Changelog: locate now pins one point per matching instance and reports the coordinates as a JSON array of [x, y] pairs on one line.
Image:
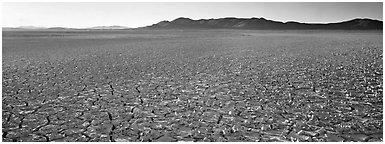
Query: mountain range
[[235, 23], [115, 27], [264, 24]]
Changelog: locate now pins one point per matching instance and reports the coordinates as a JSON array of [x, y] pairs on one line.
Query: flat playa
[[192, 85]]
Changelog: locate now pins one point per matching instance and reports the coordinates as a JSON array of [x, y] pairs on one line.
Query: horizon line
[[127, 27]]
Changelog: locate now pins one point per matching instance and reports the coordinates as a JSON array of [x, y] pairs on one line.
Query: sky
[[135, 14]]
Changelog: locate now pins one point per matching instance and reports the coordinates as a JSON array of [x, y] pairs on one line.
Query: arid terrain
[[192, 85]]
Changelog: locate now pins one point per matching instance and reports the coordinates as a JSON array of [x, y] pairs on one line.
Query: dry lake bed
[[192, 85]]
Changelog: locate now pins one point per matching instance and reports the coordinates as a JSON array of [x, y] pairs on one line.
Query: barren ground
[[193, 85]]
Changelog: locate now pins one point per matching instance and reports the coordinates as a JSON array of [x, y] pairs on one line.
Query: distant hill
[[108, 27], [58, 28], [264, 24], [64, 28], [22, 28], [30, 27]]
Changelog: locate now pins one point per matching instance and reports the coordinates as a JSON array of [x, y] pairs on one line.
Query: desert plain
[[192, 85]]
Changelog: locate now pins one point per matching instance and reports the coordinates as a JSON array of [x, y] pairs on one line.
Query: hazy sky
[[86, 14]]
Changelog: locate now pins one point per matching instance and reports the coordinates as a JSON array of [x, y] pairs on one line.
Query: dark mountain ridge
[[264, 24]]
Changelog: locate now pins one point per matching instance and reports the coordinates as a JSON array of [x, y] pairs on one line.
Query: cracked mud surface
[[118, 86]]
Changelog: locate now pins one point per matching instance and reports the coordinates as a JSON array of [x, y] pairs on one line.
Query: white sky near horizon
[[136, 14]]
